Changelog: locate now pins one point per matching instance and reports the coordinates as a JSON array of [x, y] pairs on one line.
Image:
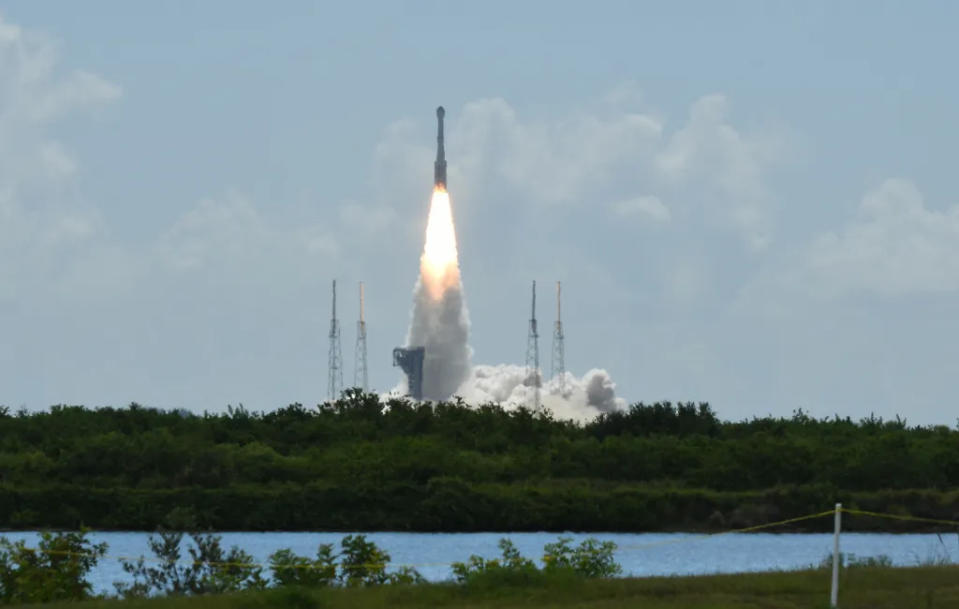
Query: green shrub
[[591, 558], [361, 563], [208, 570], [292, 570], [55, 570], [511, 570]]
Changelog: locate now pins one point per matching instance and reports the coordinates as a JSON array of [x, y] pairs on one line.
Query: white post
[[834, 593]]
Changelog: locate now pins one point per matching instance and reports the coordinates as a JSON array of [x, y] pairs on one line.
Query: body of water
[[640, 554]]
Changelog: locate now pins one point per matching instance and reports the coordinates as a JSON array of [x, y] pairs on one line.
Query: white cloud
[[216, 229], [626, 93], [56, 250], [76, 90], [42, 222], [549, 161], [647, 206], [729, 164], [34, 94], [896, 245], [230, 234]]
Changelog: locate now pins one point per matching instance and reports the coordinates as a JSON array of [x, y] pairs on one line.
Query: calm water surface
[[639, 554]]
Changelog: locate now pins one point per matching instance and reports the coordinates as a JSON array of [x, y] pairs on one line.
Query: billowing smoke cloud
[[578, 398], [442, 326]]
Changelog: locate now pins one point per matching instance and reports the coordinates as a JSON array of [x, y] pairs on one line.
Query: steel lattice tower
[[335, 384], [558, 363], [359, 364], [533, 377]]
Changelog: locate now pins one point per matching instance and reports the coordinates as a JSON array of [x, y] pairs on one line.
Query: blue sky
[[749, 203]]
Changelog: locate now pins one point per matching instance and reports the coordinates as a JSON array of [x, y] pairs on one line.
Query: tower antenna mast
[[558, 363], [532, 354], [335, 383], [359, 365]]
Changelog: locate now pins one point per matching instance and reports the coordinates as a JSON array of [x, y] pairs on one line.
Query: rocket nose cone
[[440, 112]]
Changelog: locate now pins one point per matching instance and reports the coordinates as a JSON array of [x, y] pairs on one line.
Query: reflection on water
[[639, 554]]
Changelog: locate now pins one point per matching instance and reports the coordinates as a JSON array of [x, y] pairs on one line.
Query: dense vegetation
[[363, 464]]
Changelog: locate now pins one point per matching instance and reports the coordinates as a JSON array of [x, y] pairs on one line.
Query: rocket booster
[[439, 167]]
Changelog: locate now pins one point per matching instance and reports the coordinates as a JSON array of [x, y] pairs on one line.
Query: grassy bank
[[872, 588]]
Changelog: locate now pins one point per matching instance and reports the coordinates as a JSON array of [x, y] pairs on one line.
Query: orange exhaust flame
[[439, 264]]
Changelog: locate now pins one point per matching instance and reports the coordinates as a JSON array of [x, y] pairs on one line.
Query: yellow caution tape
[[900, 517], [751, 529]]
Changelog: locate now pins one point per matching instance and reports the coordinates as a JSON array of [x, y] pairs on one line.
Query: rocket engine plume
[[439, 264], [440, 321]]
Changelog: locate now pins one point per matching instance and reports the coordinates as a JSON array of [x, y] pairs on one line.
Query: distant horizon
[[799, 412]]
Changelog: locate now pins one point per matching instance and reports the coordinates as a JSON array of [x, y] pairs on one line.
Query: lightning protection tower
[[335, 384], [532, 354], [359, 364], [558, 363]]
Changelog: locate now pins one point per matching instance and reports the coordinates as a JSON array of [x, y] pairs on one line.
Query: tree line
[[367, 463]]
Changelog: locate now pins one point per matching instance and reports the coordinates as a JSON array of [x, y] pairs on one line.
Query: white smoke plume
[[440, 322], [580, 399], [442, 326]]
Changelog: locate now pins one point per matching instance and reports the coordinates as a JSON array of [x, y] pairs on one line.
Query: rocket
[[439, 167]]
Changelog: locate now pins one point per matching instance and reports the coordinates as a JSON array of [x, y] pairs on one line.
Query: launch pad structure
[[410, 359]]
